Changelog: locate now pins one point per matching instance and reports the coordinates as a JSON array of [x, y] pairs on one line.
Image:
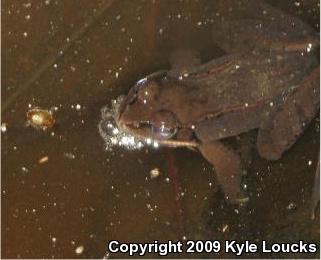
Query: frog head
[[146, 111]]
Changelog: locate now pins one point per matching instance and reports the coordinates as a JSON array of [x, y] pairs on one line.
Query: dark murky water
[[64, 196]]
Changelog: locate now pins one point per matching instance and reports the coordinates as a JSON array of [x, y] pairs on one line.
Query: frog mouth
[[146, 130]]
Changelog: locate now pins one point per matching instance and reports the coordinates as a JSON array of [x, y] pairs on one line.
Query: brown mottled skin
[[268, 80]]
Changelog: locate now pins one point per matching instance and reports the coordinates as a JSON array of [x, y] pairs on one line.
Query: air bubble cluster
[[113, 135]]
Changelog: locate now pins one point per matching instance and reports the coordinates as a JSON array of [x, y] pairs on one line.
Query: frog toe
[[268, 147]]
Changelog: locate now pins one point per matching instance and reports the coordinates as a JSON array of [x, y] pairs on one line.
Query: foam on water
[[111, 133]]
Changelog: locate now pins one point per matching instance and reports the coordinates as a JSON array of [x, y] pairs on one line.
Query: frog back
[[234, 87]]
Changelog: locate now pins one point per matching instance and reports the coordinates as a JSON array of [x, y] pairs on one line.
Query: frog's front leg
[[279, 131], [226, 163]]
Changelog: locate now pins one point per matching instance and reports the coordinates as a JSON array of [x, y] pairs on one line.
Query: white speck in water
[[78, 107], [161, 31], [246, 104], [3, 127], [28, 17], [309, 162], [70, 156], [79, 250], [118, 17], [154, 173], [309, 47], [155, 144], [167, 180], [225, 227], [116, 75], [291, 206], [54, 240], [199, 23], [55, 66], [24, 169], [25, 34], [271, 104], [27, 5], [237, 66], [43, 160]]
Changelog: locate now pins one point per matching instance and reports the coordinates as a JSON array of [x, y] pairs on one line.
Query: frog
[[267, 80]]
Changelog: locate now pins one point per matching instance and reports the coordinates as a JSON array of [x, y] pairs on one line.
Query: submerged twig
[[61, 51]]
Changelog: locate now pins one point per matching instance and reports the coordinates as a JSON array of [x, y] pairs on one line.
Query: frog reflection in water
[[268, 80]]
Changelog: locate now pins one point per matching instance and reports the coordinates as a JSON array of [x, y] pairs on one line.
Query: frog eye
[[164, 132], [164, 125]]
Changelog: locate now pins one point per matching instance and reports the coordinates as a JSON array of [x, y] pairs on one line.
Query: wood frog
[[267, 80]]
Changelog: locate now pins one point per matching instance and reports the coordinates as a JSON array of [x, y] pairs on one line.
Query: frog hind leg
[[226, 164], [279, 130]]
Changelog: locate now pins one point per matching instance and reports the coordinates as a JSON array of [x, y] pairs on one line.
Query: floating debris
[[79, 250], [43, 160], [4, 127], [40, 118], [24, 169], [309, 162], [154, 173], [291, 206], [225, 227], [70, 156]]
